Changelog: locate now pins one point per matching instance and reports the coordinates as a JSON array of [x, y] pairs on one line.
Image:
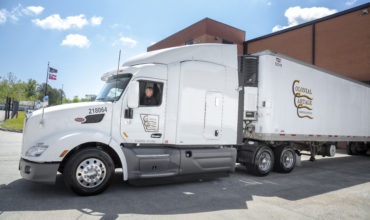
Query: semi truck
[[208, 110]]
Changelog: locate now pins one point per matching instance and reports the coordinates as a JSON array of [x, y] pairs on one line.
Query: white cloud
[[269, 3], [125, 41], [152, 43], [17, 12], [3, 15], [34, 10], [95, 21], [76, 40], [56, 22], [297, 15], [350, 2]]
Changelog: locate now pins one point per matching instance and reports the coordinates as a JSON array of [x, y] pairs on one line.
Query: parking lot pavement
[[329, 188]]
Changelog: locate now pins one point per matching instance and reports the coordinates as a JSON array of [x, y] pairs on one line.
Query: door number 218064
[[97, 110]]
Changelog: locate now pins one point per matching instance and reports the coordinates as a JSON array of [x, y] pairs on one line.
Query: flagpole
[[47, 77], [61, 94]]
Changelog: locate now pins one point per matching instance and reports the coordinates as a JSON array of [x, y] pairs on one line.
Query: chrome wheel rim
[[90, 173], [264, 161], [288, 159], [332, 150]]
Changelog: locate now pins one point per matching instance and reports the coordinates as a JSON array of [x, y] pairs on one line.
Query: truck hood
[[66, 118]]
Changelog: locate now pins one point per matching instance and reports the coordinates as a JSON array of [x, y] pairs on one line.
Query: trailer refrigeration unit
[[196, 109]]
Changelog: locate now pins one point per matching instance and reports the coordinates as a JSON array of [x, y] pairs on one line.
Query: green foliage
[[31, 89], [10, 86], [15, 123], [75, 99], [55, 95]]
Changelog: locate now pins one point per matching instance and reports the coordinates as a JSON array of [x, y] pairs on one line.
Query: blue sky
[[82, 38]]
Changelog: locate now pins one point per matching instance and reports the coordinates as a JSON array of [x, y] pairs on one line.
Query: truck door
[[146, 124], [213, 115]]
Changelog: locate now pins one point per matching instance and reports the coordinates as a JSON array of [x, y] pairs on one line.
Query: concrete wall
[[2, 115]]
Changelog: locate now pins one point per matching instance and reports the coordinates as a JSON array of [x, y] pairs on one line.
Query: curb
[[10, 130]]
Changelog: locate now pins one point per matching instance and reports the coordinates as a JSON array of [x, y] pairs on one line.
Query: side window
[[150, 93]]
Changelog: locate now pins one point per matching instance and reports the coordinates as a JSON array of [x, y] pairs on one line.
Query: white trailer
[[196, 110]]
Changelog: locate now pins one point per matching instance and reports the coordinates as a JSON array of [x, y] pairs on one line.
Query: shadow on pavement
[[196, 196]]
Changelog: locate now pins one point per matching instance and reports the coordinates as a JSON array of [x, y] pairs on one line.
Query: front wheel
[[89, 171], [285, 159]]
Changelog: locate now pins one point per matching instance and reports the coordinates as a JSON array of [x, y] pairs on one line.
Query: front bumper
[[38, 172]]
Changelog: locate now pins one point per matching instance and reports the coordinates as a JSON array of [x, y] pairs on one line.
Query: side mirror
[[133, 95]]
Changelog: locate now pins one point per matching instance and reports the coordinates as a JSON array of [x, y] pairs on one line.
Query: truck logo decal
[[150, 122], [90, 119], [80, 119], [302, 100]]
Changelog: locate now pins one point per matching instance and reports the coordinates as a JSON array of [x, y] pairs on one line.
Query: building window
[[226, 41], [190, 42]]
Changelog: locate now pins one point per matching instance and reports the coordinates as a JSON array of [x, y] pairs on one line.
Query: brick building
[[339, 42], [204, 31]]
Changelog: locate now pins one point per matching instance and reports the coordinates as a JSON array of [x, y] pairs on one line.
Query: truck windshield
[[113, 88]]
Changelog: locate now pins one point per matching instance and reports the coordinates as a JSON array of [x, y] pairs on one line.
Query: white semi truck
[[196, 109]]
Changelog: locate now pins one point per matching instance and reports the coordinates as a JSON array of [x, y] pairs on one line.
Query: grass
[[15, 123]]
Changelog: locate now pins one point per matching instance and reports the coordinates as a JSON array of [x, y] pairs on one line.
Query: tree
[[75, 99], [10, 86], [31, 89], [53, 94]]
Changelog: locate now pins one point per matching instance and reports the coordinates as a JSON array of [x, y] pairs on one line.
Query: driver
[[149, 99]]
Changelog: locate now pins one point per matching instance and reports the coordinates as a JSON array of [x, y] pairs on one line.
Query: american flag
[[52, 70], [52, 76]]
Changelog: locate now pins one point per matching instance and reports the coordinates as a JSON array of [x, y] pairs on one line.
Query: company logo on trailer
[[302, 100]]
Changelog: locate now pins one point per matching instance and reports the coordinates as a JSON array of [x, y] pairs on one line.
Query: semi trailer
[[197, 109]]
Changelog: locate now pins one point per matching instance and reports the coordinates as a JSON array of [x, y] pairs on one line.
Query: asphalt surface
[[329, 188]]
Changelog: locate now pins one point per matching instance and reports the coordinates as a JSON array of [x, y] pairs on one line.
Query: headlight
[[36, 151]]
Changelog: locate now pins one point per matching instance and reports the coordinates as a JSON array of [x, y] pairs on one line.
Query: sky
[[82, 38]]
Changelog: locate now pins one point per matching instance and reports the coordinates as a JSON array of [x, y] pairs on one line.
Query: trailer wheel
[[89, 171], [349, 148], [263, 161], [285, 159]]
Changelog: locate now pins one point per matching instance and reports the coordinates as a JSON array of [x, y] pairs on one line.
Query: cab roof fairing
[[122, 70], [133, 70], [223, 54]]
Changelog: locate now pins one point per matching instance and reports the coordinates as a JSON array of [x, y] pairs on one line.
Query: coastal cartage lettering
[[302, 100]]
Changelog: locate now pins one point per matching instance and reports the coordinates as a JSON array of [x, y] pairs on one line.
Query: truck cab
[[163, 113]]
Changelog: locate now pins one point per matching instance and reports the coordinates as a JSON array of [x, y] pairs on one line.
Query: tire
[[98, 167], [285, 159], [263, 161], [349, 148], [358, 148]]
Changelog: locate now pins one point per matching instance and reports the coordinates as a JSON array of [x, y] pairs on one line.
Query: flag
[[52, 70], [52, 76]]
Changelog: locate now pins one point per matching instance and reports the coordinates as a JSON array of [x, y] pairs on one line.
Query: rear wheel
[[89, 171], [263, 161], [285, 159], [358, 148], [348, 148]]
